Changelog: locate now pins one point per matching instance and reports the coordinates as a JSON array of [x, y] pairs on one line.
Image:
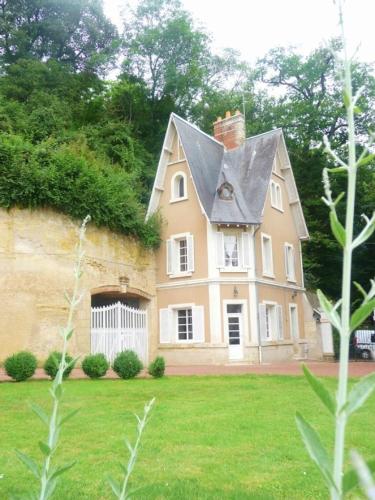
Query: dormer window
[[225, 191], [178, 187]]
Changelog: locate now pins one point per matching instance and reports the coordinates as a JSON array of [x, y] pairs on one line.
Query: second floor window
[[180, 254], [267, 259], [289, 262], [231, 250]]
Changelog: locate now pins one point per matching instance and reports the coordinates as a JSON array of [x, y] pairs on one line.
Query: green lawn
[[209, 437]]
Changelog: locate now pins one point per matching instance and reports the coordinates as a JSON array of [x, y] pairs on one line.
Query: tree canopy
[[75, 140]]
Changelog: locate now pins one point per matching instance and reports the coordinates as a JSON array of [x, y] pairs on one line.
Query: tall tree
[[74, 32], [307, 103]]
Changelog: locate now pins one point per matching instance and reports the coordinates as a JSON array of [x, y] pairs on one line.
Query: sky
[[253, 27]]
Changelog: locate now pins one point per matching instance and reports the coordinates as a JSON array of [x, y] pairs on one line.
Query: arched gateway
[[119, 321]]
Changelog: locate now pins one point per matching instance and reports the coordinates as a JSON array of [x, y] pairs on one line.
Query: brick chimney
[[230, 130]]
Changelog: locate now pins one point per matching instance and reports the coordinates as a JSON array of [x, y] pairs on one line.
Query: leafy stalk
[[48, 474], [121, 491], [340, 313]]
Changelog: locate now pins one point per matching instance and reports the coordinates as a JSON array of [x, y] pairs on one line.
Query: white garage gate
[[118, 327]]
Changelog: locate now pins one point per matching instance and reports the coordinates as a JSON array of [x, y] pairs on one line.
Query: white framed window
[[293, 321], [267, 257], [182, 323], [180, 255], [276, 198], [178, 187], [233, 250], [290, 269], [271, 321]]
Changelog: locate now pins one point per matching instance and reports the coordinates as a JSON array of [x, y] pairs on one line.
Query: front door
[[235, 327]]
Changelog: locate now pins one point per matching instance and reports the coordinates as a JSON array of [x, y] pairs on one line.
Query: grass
[[209, 437]]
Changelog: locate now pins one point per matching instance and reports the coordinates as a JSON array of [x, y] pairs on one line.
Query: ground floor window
[[179, 323], [184, 324], [293, 319], [271, 321]]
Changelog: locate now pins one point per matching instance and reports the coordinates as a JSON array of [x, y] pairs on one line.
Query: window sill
[[233, 270], [176, 200], [181, 275], [268, 275], [290, 280]]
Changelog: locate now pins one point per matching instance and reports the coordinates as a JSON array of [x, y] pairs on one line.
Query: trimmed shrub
[[157, 367], [127, 364], [20, 366], [95, 365], [52, 364]]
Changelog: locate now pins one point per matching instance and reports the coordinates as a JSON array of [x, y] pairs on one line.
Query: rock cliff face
[[37, 254]]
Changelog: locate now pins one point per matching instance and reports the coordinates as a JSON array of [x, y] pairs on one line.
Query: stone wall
[[36, 267]]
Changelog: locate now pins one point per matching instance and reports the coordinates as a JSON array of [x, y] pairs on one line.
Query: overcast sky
[[255, 26]]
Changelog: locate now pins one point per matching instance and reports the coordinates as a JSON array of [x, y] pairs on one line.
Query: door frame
[[244, 328]]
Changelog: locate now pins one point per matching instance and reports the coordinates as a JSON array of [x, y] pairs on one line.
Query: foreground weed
[[121, 490], [47, 474], [339, 314]]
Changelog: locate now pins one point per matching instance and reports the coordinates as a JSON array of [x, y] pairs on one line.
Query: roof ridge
[[278, 129], [174, 115]]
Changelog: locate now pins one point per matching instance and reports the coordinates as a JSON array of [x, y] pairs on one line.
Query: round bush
[[95, 365], [52, 364], [127, 364], [20, 366], [157, 367]]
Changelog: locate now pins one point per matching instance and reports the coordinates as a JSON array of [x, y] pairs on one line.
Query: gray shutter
[[198, 323], [190, 253], [166, 325], [262, 322], [280, 325], [246, 250], [220, 249], [170, 256]]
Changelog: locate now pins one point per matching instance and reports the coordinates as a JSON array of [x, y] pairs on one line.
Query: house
[[229, 279], [225, 286]]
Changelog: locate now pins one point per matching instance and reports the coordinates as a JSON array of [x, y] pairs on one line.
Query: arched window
[[178, 187]]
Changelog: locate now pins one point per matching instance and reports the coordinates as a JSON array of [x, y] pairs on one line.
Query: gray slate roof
[[248, 168]]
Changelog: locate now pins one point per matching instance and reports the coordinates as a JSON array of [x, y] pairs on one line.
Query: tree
[[308, 105], [73, 32]]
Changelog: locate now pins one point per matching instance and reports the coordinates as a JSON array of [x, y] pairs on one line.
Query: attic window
[[225, 191]]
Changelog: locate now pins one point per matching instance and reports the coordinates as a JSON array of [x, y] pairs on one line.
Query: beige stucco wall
[[282, 229], [36, 267], [184, 216]]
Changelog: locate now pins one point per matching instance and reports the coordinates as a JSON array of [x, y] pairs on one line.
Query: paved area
[[320, 368]]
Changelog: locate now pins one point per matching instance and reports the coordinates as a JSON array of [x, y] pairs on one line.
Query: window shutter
[[170, 256], [246, 250], [262, 322], [280, 332], [166, 326], [190, 253], [198, 323], [220, 249]]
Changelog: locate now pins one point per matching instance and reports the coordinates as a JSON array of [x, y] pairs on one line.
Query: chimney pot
[[227, 114]]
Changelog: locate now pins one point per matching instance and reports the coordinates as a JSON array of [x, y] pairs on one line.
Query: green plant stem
[[57, 383], [341, 418]]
